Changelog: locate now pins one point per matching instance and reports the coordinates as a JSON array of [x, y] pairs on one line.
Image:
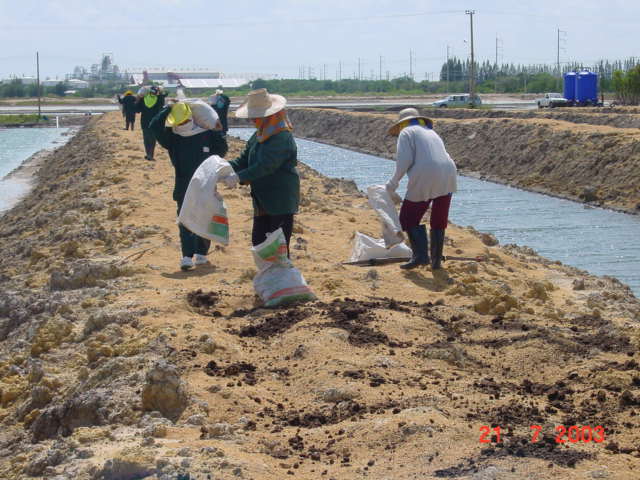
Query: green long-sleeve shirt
[[186, 153], [146, 113], [270, 168]]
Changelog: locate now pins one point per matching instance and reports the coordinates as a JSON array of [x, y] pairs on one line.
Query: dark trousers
[[129, 120], [265, 224], [149, 142], [190, 243], [412, 212]]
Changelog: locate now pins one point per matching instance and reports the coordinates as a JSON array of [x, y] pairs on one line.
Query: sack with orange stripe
[[203, 209], [278, 282]]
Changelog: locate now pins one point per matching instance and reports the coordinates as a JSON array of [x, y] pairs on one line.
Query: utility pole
[[339, 70], [499, 45], [411, 64], [38, 81], [359, 77], [472, 74], [558, 55], [324, 71], [380, 69], [448, 70]]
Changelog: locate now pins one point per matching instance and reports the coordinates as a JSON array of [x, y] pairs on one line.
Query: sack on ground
[[380, 200], [278, 282], [366, 248], [203, 209], [203, 114]]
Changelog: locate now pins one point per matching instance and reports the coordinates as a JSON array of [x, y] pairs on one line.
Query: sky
[[321, 38]]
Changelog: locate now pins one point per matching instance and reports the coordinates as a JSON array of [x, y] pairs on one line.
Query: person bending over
[[431, 172]]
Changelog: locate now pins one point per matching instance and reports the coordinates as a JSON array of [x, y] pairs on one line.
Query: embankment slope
[[113, 365], [579, 161]]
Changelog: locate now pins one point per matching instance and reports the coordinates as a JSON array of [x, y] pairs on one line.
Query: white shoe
[[186, 263], [200, 259]]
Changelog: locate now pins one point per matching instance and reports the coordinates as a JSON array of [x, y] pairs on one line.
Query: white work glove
[[231, 181]]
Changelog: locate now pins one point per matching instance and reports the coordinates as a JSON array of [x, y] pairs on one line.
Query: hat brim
[[395, 128], [278, 102]]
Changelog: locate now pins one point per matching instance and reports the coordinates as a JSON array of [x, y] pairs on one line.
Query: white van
[[462, 100]]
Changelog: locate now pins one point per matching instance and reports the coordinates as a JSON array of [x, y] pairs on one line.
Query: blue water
[[597, 240], [16, 145]]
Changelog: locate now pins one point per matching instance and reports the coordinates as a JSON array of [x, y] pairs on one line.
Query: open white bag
[[366, 248], [203, 210], [381, 201]]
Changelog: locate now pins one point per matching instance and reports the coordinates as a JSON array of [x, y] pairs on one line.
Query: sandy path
[[390, 374]]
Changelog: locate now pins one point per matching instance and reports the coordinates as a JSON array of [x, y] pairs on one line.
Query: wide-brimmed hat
[[180, 113], [219, 91], [407, 114], [260, 104]]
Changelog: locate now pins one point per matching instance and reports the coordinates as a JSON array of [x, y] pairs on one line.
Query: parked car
[[552, 100], [463, 100]]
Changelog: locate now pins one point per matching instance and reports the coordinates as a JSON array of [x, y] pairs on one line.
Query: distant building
[[77, 84], [24, 80], [192, 78]]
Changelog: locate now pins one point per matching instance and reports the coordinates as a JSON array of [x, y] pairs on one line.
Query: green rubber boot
[[419, 246]]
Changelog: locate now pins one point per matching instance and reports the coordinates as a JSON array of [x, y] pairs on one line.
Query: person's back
[[129, 104], [432, 172]]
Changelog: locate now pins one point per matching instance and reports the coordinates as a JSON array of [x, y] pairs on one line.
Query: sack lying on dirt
[[278, 282], [203, 210], [381, 201], [366, 248], [203, 115]]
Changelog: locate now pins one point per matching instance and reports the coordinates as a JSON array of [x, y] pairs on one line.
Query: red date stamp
[[572, 434]]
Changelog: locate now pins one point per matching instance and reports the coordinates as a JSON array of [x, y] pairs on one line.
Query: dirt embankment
[[620, 117], [115, 364], [596, 164]]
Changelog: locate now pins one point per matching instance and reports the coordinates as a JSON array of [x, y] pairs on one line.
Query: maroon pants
[[412, 212]]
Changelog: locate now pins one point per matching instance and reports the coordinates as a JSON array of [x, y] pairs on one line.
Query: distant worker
[[129, 109], [422, 156], [220, 103], [268, 164], [150, 102], [188, 145]]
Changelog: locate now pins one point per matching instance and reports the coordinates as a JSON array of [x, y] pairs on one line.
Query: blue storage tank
[[587, 88], [570, 86]]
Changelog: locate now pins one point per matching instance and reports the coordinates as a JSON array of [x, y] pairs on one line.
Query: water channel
[[16, 145], [600, 241]]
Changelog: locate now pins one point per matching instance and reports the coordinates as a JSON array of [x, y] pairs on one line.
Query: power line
[[224, 24]]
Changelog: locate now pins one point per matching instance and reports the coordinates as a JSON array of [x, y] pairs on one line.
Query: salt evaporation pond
[[16, 145], [600, 241]]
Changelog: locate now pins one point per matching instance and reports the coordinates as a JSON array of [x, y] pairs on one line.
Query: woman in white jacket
[[421, 155]]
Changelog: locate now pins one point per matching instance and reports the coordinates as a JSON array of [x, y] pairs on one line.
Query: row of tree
[[627, 86], [17, 89]]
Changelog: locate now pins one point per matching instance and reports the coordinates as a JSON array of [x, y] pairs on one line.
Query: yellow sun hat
[[128, 92], [180, 113]]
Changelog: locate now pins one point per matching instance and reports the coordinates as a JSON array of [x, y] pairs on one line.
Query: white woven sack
[[203, 209]]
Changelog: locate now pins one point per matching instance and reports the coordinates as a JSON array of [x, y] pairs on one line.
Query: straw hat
[[407, 114], [180, 113], [260, 104]]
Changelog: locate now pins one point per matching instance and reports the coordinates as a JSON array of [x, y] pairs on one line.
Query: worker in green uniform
[[149, 104], [129, 110], [268, 164], [188, 146]]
